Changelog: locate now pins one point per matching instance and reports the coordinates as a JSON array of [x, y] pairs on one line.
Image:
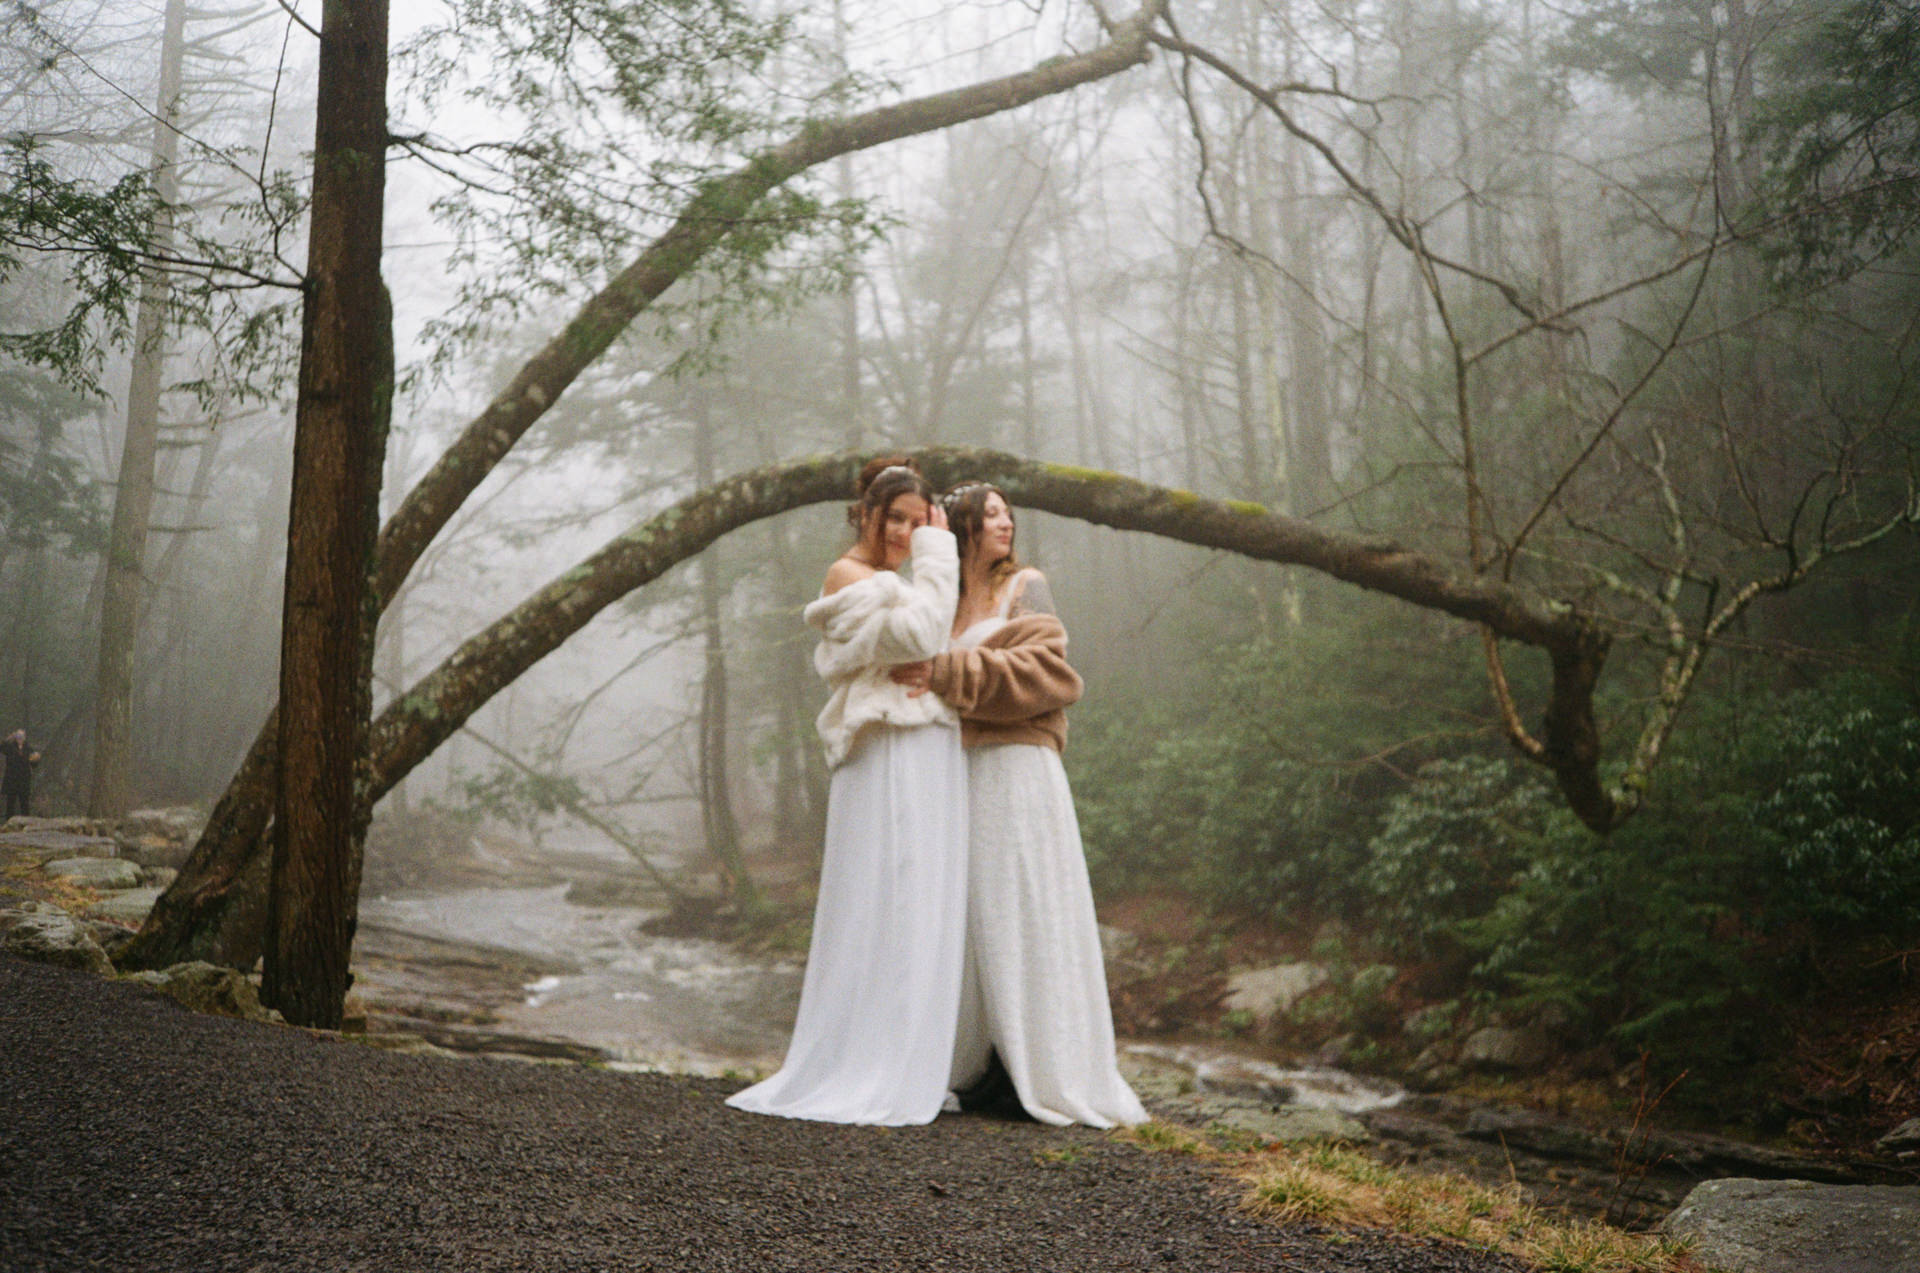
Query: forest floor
[[135, 1134]]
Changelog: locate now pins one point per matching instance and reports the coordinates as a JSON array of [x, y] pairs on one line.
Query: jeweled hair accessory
[[961, 491], [895, 468]]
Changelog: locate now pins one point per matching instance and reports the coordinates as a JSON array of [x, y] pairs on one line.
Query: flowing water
[[702, 1007], [654, 1002]]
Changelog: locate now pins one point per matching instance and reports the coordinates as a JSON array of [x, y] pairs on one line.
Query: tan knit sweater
[[1014, 687]]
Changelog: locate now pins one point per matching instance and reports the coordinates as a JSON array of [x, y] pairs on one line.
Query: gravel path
[[135, 1135]]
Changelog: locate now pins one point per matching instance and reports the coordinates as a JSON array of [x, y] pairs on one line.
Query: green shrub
[[1455, 842], [1841, 833]]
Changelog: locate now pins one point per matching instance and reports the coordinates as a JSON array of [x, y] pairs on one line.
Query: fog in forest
[[1611, 305]]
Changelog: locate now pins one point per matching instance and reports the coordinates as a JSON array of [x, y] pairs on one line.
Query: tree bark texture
[[346, 369], [434, 708], [111, 793], [190, 921]]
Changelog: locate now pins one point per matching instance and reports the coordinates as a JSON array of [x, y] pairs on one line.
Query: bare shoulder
[[1031, 595], [845, 571]]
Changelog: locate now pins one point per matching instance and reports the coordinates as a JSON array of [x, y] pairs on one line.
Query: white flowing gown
[[1036, 984], [873, 1038]]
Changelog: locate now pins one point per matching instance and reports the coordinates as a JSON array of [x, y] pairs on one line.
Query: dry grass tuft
[[1337, 1184]]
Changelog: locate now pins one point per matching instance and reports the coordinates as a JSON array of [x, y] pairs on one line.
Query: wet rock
[[1290, 1124], [1266, 993], [34, 846], [129, 906], [154, 851], [1798, 1226], [1154, 1075], [205, 987], [175, 822], [1902, 1142], [46, 934], [57, 826], [107, 933], [1202, 1082], [90, 872], [1234, 1076], [1338, 1050], [1505, 1048], [1433, 1070], [1538, 1134]]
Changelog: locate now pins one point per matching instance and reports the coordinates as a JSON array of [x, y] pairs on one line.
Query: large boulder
[[129, 906], [1797, 1226], [67, 826], [1497, 1047], [48, 935], [1903, 1141], [177, 822], [153, 850], [106, 873], [1266, 993], [205, 987]]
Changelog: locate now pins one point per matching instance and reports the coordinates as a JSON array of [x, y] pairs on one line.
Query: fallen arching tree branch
[[417, 722], [1575, 643]]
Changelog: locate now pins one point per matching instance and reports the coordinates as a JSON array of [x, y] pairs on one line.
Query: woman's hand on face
[[914, 676], [936, 516]]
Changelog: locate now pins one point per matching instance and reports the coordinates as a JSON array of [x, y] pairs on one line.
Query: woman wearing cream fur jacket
[[873, 1039]]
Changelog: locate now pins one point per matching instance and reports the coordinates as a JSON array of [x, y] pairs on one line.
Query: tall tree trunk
[[716, 798], [326, 645], [205, 913], [799, 776], [1310, 462], [849, 299], [112, 788]]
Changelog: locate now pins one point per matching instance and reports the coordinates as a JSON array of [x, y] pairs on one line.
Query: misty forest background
[[1613, 302]]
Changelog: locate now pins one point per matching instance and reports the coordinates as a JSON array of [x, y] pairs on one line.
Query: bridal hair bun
[[884, 479], [892, 467]]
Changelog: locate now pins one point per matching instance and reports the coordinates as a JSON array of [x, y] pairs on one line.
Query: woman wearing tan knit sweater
[[1035, 994]]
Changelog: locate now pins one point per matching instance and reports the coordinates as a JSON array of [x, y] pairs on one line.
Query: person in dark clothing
[[18, 782]]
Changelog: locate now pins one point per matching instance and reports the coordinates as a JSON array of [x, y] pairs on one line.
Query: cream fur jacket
[[868, 627]]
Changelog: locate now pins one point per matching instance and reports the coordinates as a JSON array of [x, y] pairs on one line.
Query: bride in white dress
[[1036, 989], [873, 1040]]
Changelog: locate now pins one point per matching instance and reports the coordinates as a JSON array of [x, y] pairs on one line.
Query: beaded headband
[[963, 490]]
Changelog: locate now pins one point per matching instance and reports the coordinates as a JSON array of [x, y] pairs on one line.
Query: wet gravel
[[135, 1135]]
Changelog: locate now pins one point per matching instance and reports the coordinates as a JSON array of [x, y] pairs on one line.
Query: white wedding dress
[[1036, 985], [873, 1038]]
